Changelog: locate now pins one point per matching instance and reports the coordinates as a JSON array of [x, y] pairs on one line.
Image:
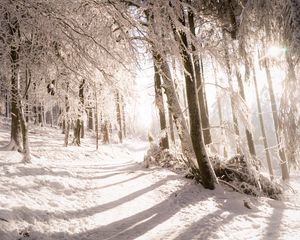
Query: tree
[[199, 83], [164, 142]]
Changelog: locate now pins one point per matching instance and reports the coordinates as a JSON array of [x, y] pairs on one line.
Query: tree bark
[[249, 135], [66, 122], [105, 132], [15, 116], [171, 126], [200, 86], [91, 119], [23, 124], [206, 171], [164, 142], [15, 143], [77, 131]]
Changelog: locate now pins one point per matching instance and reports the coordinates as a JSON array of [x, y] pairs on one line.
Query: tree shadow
[[275, 220], [138, 224], [110, 185], [206, 226], [46, 215], [3, 143]]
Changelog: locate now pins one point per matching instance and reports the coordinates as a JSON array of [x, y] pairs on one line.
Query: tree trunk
[[229, 76], [171, 126], [26, 149], [288, 114], [283, 161], [96, 119], [203, 113], [203, 104], [123, 116], [164, 142], [40, 115], [206, 171], [119, 116], [249, 135], [67, 131], [105, 132], [174, 108], [186, 143], [28, 80], [81, 129], [77, 131], [7, 110], [66, 122], [91, 119], [81, 97], [262, 126], [15, 143]]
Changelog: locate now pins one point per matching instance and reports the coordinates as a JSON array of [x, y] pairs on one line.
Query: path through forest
[[78, 193]]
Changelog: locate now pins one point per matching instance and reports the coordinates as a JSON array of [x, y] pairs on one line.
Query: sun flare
[[276, 51]]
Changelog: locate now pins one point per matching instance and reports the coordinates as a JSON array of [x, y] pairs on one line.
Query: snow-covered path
[[78, 193]]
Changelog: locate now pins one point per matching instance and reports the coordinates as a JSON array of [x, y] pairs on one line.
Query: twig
[[230, 185], [2, 219]]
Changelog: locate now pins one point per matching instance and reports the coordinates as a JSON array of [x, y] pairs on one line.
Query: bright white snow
[[79, 193]]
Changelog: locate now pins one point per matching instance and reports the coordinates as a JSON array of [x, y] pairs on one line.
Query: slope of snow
[[79, 193]]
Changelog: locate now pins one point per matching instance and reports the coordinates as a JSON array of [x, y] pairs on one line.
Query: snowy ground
[[78, 193]]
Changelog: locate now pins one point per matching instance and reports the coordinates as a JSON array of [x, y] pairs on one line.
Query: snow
[[84, 194]]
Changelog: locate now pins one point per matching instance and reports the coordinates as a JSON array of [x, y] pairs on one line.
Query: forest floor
[[83, 194]]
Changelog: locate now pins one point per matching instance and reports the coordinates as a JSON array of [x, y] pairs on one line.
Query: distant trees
[[56, 42]]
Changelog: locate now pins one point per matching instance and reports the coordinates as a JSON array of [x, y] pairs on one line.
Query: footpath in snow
[[77, 193]]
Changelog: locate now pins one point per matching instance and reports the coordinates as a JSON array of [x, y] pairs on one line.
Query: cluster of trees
[[73, 43], [57, 60]]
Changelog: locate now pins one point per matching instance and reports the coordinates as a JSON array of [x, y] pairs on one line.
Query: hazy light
[[276, 51]]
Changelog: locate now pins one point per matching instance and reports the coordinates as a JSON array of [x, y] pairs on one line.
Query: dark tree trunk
[[15, 110], [91, 119], [7, 108], [81, 97], [171, 126], [15, 120], [82, 129], [164, 142], [66, 122], [18, 123], [206, 171], [28, 80], [200, 86], [179, 120], [249, 135], [77, 131], [105, 132]]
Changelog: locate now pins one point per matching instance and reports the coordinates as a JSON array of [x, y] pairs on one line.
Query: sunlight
[[276, 51]]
